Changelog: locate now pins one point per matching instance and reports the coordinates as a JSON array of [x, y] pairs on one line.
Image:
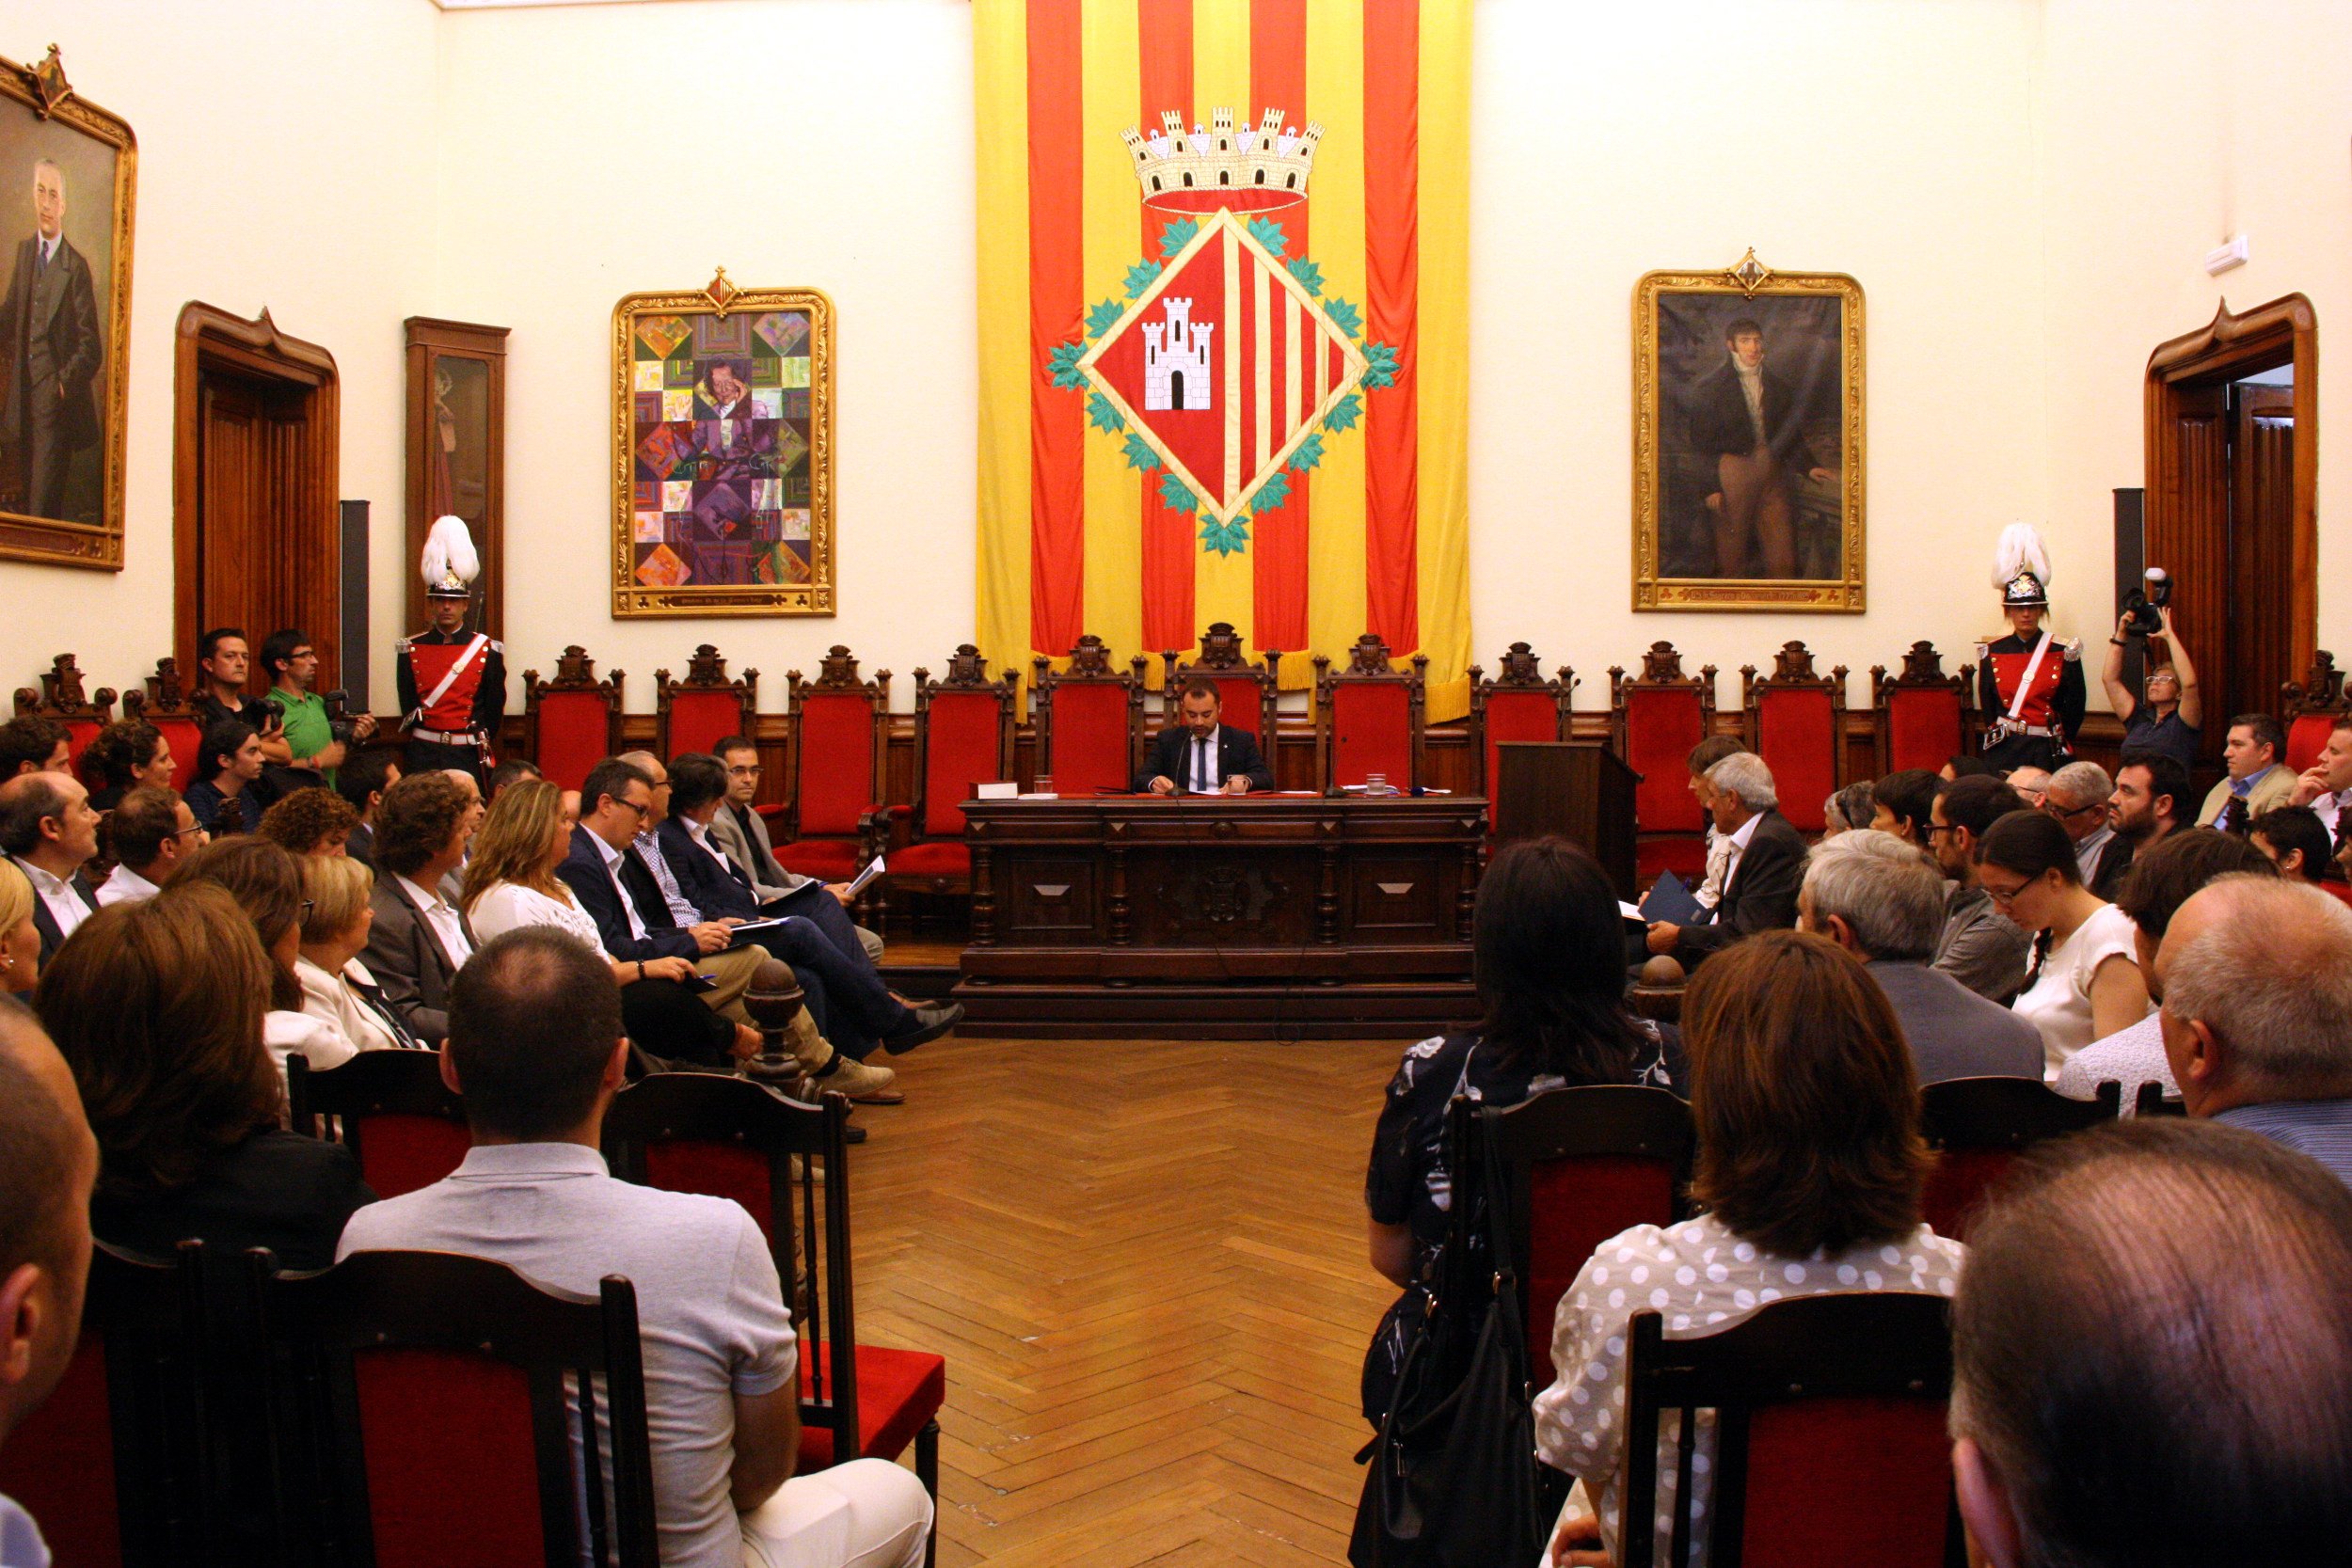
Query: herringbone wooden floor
[[1145, 1264]]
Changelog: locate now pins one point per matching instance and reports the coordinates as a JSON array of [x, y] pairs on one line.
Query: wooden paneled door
[[256, 538]]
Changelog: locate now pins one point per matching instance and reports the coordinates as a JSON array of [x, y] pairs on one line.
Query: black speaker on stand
[[353, 674], [2131, 560]]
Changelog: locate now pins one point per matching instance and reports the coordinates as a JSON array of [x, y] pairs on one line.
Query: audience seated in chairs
[[1706, 755], [2295, 840], [511, 883], [2164, 879], [2257, 778], [1766, 864], [158, 1007], [1846, 811], [31, 744], [1880, 899], [420, 938], [310, 821], [1903, 805], [228, 770], [1980, 946], [151, 830], [362, 782], [1549, 964], [538, 1052], [2089, 984], [266, 882], [514, 770], [122, 756], [2080, 798], [337, 989], [2149, 804], [47, 828], [2151, 1361], [741, 834], [2032, 784], [2326, 787], [1797, 1064], [20, 938], [2257, 980], [45, 1185]]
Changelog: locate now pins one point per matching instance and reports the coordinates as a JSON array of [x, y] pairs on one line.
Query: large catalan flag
[[1224, 324]]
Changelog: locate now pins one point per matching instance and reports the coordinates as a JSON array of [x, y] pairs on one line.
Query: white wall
[[2025, 220]]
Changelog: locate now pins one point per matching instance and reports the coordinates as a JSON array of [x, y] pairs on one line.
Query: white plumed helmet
[[449, 563], [2021, 566]]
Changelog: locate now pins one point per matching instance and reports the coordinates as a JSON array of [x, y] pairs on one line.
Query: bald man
[[2151, 1361]]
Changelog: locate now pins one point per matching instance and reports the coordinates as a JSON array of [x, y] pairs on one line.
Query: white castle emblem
[[1176, 359]]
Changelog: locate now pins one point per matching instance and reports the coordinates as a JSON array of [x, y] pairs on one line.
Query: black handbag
[[1454, 1480]]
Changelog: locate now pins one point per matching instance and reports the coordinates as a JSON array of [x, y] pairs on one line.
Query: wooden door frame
[[206, 337], [2228, 348]]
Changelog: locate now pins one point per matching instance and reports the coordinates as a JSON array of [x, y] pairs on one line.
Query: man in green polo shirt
[[293, 664]]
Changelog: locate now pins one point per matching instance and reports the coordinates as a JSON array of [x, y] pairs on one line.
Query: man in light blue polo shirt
[[535, 1049]]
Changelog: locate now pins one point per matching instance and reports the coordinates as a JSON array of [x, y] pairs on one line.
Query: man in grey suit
[[1880, 901], [742, 837], [419, 940], [49, 323]]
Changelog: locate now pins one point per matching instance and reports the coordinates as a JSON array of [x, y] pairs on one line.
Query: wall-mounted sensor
[[2230, 255]]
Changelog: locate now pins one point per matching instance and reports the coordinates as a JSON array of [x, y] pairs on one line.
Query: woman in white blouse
[[1809, 1166], [337, 988], [2087, 984]]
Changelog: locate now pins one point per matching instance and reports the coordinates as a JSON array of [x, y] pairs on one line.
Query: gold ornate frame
[[1750, 278], [44, 93], [720, 297]]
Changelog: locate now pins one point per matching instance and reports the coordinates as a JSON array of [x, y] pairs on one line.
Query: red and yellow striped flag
[[1224, 328]]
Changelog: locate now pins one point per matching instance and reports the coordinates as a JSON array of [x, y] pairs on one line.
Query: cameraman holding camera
[[316, 730], [2169, 718]]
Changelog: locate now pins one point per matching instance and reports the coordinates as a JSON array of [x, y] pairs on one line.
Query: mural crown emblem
[[1252, 169]]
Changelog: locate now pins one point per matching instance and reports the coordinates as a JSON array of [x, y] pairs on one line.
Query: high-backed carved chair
[[1922, 716], [1516, 705], [1090, 720], [1654, 720], [962, 737], [2309, 708], [1796, 722], [391, 1110], [60, 697], [1369, 717], [1246, 690], [165, 704], [696, 714], [834, 758], [1977, 1126], [573, 721]]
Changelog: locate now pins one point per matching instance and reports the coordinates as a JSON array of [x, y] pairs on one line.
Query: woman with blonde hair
[[511, 881], [20, 939], [337, 988]]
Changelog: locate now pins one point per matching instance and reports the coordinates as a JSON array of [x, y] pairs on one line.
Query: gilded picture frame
[[723, 494], [1748, 440], [69, 180]]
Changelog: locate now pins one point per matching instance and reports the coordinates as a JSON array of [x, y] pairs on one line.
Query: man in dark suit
[[49, 323], [1749, 421], [741, 834], [420, 938], [47, 827], [1199, 756], [1767, 866]]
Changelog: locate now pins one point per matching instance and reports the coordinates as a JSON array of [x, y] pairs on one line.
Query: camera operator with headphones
[[317, 731], [2169, 718]]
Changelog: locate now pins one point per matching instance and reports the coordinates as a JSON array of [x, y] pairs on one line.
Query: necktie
[[1200, 764]]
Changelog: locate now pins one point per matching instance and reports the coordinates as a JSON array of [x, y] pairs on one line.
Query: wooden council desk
[[1263, 916]]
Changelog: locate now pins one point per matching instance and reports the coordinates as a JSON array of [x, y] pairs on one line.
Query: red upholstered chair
[[696, 714], [165, 704], [1369, 718], [393, 1110], [1796, 722], [1248, 690], [1516, 705], [60, 697], [1831, 1448], [834, 758], [729, 1137], [1580, 1165], [962, 737], [1924, 717], [1090, 720], [1654, 721], [422, 1401], [114, 1462], [2309, 708], [1977, 1126], [573, 721]]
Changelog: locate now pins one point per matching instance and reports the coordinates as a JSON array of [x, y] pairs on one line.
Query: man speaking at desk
[[1200, 756]]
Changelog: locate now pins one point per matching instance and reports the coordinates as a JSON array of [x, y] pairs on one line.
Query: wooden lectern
[[1575, 788]]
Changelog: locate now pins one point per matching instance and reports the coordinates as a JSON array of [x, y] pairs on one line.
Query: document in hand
[[873, 869], [1670, 900]]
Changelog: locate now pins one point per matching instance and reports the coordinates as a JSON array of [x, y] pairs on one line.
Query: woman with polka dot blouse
[[1809, 1168]]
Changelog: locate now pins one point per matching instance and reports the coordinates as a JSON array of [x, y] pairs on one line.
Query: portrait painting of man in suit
[[52, 325]]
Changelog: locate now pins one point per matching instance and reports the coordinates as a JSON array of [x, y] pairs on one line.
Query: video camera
[[2140, 606], [339, 721]]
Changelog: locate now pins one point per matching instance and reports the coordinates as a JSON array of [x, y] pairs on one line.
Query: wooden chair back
[[1090, 720], [391, 1110], [1830, 1445], [1796, 722], [1654, 721], [60, 697], [2309, 708], [1516, 705], [1370, 718], [836, 753], [963, 728], [1249, 691], [1923, 717], [696, 714], [165, 704], [1977, 1126], [573, 721]]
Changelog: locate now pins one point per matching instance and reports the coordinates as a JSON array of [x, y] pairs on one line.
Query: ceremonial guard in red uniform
[[453, 682], [2030, 683]]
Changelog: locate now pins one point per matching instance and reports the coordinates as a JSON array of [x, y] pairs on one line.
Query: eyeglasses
[[183, 832], [2002, 895], [643, 811], [753, 771], [2064, 816], [307, 905], [1936, 830]]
